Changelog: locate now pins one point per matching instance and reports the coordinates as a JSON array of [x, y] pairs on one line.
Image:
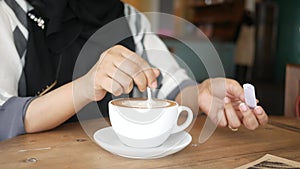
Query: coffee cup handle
[[188, 121]]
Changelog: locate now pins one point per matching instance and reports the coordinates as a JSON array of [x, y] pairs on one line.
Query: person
[[55, 32]]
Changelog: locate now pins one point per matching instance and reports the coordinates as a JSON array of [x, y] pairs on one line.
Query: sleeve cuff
[[12, 114]]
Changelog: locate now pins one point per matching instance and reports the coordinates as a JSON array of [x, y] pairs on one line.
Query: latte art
[[143, 103]]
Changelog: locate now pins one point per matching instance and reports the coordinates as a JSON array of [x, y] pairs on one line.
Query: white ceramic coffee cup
[[145, 127]]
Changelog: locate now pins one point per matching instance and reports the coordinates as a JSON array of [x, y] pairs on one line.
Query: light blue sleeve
[[12, 114]]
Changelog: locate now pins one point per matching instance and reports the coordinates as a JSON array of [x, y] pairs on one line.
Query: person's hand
[[116, 72], [224, 102]]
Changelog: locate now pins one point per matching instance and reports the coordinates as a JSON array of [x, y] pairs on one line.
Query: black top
[[52, 52]]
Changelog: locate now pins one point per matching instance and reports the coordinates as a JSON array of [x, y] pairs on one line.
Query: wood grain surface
[[68, 146]]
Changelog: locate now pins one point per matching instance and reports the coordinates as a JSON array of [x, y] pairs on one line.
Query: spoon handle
[[149, 100]]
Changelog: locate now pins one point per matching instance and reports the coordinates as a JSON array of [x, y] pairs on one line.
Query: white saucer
[[108, 140]]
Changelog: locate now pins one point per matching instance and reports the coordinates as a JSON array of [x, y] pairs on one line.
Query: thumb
[[156, 72], [234, 89]]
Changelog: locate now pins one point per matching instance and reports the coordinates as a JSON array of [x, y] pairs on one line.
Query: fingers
[[222, 118], [123, 79], [252, 118], [234, 89], [133, 72], [238, 112], [156, 72], [232, 118], [261, 115], [111, 86], [135, 67], [121, 68], [141, 67], [249, 118]]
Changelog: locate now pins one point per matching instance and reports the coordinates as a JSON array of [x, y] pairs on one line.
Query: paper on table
[[271, 161]]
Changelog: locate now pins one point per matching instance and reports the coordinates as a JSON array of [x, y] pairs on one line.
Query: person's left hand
[[224, 102]]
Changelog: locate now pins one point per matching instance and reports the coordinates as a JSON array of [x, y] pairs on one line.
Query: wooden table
[[69, 147]]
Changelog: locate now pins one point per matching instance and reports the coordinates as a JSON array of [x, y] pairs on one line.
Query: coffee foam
[[142, 103], [145, 104]]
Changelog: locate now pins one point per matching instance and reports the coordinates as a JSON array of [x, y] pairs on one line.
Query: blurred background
[[258, 42]]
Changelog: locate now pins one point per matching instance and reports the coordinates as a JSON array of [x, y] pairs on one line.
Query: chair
[[292, 90]]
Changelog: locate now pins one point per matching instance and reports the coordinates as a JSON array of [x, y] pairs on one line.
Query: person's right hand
[[116, 71]]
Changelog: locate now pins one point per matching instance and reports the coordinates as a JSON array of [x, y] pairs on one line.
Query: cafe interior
[[257, 42]]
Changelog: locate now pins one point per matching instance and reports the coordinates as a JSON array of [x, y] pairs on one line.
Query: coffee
[[143, 103]]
